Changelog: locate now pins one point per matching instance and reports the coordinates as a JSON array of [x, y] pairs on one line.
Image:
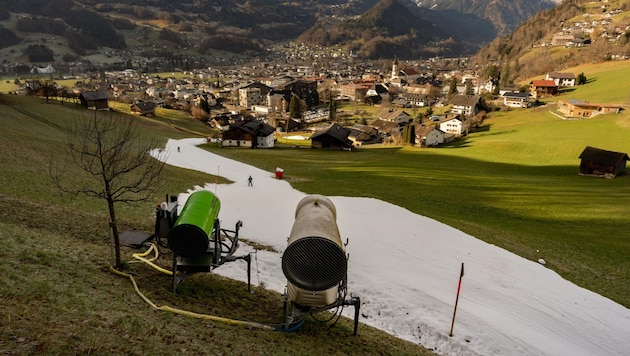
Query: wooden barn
[[333, 136], [95, 100], [602, 163]]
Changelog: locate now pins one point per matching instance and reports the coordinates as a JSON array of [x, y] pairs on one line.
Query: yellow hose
[[140, 256], [135, 286]]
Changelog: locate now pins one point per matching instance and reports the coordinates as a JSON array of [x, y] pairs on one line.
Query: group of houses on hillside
[[598, 24]]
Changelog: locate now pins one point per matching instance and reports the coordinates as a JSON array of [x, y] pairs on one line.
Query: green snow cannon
[[193, 230]]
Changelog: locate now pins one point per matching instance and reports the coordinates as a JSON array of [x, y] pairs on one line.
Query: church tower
[[395, 68]]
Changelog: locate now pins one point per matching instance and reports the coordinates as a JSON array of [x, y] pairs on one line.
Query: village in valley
[[326, 95], [332, 97], [344, 105]]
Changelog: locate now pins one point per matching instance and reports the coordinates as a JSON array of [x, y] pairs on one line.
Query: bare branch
[[117, 162]]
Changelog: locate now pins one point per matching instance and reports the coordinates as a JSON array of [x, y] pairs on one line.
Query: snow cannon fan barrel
[[314, 261], [192, 231]]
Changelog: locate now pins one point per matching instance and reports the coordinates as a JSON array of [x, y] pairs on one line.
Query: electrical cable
[[341, 296], [297, 325]]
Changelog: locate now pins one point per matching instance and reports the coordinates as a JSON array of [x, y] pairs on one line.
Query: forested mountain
[[386, 30], [49, 30]]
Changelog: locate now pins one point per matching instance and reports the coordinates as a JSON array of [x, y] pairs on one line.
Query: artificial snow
[[405, 268]]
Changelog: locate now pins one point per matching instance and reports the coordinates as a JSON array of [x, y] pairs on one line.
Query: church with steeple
[[395, 72], [401, 76]]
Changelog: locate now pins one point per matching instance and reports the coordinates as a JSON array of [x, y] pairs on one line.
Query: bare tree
[[117, 163]]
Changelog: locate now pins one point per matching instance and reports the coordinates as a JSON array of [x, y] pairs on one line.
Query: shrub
[[39, 53]]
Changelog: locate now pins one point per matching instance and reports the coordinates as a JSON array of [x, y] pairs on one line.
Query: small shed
[[602, 163], [95, 100]]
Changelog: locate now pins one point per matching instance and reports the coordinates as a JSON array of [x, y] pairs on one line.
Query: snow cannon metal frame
[[315, 263], [195, 236]]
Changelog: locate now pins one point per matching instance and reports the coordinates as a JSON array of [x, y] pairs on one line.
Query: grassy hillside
[[58, 296], [603, 83]]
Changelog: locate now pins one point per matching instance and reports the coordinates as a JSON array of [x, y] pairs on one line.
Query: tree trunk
[[114, 227]]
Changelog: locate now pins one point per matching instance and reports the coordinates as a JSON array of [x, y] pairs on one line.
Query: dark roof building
[[333, 136], [144, 108], [248, 133], [95, 100], [465, 104], [602, 163]]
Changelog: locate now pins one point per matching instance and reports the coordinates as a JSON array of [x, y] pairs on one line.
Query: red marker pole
[[459, 286]]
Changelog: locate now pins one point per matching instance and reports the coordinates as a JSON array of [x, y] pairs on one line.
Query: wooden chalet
[[377, 90], [249, 133], [286, 124], [373, 99], [144, 108], [602, 163], [95, 100], [542, 88], [223, 121], [334, 136]]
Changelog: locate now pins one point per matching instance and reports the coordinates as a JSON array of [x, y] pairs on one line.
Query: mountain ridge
[[504, 15], [153, 27]]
